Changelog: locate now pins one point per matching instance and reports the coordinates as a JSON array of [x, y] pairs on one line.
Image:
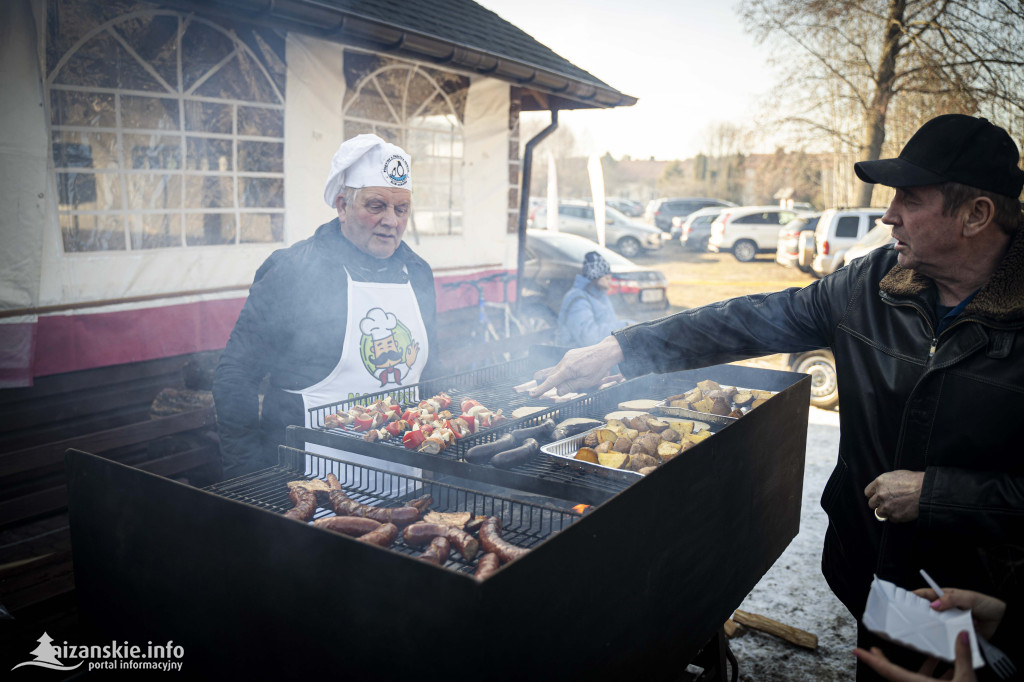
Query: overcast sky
[[689, 63]]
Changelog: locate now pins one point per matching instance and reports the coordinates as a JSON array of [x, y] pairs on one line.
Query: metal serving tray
[[563, 453]]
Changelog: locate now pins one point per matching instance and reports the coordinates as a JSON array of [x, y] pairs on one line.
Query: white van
[[838, 229]]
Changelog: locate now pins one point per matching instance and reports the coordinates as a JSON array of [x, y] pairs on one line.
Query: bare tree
[[865, 68]]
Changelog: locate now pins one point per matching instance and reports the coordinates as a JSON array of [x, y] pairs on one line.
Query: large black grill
[[632, 589]]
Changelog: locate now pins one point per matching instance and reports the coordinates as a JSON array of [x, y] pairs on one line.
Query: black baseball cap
[[952, 147]]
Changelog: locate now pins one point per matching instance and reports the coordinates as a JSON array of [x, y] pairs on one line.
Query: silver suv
[[626, 236], [838, 229]]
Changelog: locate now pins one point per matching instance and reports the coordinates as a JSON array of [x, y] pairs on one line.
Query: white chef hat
[[367, 161], [378, 324]]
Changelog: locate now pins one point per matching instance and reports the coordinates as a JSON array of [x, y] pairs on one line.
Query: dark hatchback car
[[660, 212], [553, 260]]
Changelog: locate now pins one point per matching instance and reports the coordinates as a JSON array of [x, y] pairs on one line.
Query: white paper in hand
[[907, 619]]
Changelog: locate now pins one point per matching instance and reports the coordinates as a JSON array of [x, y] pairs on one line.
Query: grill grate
[[523, 523]]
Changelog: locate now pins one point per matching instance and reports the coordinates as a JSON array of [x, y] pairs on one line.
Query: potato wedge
[[606, 434], [587, 455], [603, 447], [667, 450], [640, 461], [705, 405], [622, 444], [670, 436], [682, 427], [708, 385], [721, 406], [646, 470], [698, 437], [615, 460], [743, 398], [656, 425], [590, 440]]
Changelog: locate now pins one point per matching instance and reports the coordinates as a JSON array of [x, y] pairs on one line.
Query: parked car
[[837, 230], [661, 211], [878, 236], [821, 365], [553, 259], [748, 230], [633, 209], [626, 236], [695, 230], [796, 242]]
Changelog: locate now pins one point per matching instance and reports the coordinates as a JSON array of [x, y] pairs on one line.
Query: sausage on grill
[[437, 551], [348, 525], [383, 536], [516, 456], [491, 541], [305, 504], [421, 534], [422, 503], [481, 454], [343, 505], [487, 566]]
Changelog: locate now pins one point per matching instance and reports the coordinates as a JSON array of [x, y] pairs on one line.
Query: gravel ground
[[794, 592]]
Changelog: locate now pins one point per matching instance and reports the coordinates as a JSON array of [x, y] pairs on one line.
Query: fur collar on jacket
[[1001, 298]]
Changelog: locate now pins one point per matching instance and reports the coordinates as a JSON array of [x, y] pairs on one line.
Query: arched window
[[422, 110], [167, 130]]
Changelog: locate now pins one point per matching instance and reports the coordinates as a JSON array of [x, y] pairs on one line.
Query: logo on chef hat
[[396, 170], [386, 348]]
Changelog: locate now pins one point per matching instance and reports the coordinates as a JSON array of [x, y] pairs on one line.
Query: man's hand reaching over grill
[[580, 368]]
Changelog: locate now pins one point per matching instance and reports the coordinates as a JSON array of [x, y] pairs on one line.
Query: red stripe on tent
[[67, 343]]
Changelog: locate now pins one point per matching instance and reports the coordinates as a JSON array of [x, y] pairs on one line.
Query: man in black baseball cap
[[952, 147], [928, 340]]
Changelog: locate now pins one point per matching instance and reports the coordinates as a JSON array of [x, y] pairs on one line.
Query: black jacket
[[292, 327], [952, 407]]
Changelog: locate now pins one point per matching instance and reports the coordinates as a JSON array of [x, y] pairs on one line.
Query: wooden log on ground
[[774, 627], [733, 629]]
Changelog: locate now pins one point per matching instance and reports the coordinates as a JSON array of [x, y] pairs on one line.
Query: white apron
[[385, 347]]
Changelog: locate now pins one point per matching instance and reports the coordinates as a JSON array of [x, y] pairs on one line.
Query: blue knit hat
[[595, 267]]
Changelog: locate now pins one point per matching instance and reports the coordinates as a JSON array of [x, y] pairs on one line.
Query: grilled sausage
[[422, 503], [516, 456], [383, 536], [437, 551], [333, 483], [305, 504], [487, 566], [491, 541], [348, 525], [420, 535], [481, 454], [343, 505], [542, 430]]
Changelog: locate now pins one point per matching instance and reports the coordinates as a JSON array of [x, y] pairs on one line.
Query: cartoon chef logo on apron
[[387, 347]]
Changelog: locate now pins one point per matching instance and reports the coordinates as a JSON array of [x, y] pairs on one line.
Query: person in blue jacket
[[586, 315]]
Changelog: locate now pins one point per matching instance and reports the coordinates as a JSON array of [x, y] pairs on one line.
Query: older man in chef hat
[[302, 323]]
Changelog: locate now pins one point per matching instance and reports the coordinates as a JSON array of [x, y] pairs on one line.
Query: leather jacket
[[951, 405]]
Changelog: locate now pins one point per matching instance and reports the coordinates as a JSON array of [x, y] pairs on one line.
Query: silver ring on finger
[[879, 516]]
